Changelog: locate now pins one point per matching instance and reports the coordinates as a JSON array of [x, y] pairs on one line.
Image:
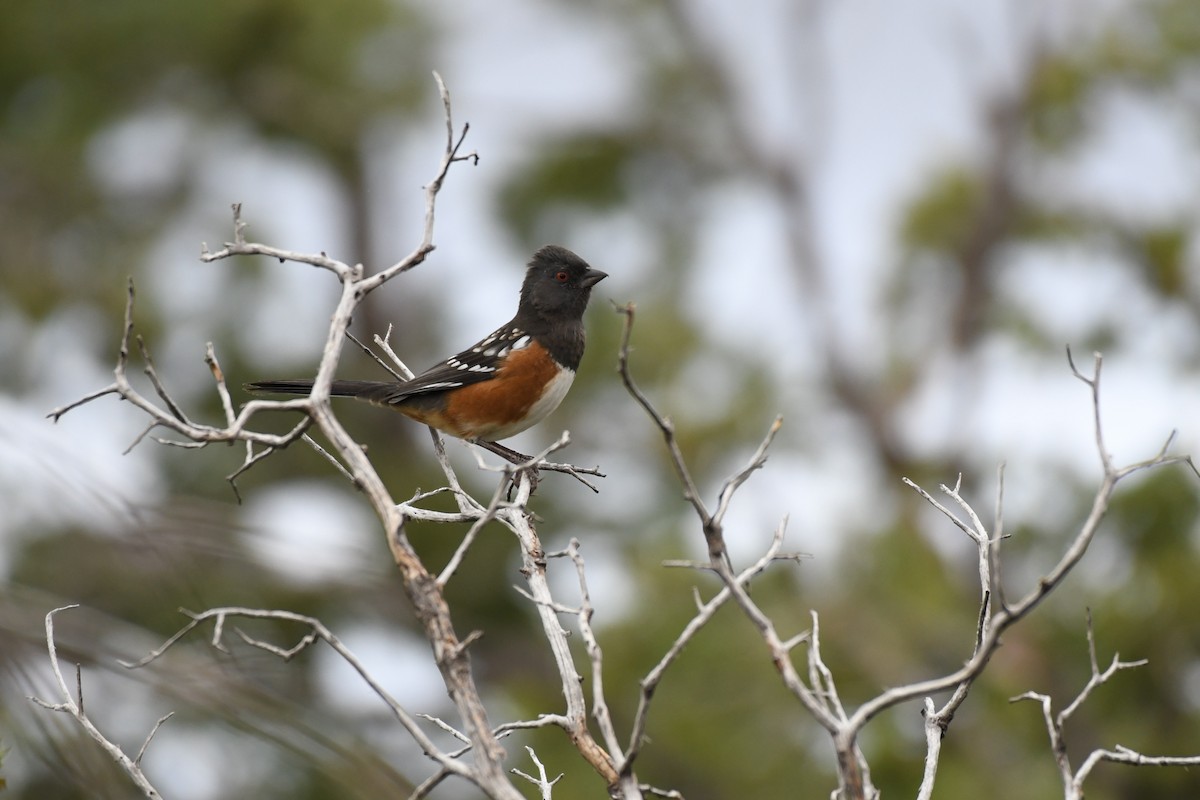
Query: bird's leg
[[513, 457], [508, 454]]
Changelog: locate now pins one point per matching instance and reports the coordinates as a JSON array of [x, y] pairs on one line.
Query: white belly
[[555, 391]]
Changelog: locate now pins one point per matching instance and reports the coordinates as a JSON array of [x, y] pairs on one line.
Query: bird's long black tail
[[364, 390]]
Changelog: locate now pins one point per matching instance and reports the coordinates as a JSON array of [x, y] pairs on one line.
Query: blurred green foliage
[[943, 217]]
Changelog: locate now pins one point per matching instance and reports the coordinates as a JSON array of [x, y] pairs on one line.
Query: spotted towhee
[[508, 381]]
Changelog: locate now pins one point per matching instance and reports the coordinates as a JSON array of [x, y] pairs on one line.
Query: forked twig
[[1073, 780], [75, 709]]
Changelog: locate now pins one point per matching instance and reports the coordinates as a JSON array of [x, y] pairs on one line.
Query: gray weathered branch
[[817, 692]]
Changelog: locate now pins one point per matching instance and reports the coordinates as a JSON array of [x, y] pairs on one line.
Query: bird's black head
[[558, 284]]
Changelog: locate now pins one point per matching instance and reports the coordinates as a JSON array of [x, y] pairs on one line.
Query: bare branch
[[600, 710], [1124, 755], [819, 676], [1005, 615], [150, 736], [998, 536], [1093, 383], [468, 539], [1055, 725], [421, 588], [157, 653], [545, 786], [152, 374], [734, 482], [58, 413], [705, 612], [854, 778], [665, 426], [317, 632], [447, 727], [122, 360], [405, 372], [533, 567], [450, 156], [950, 515], [240, 247], [214, 366], [819, 695], [132, 767], [375, 356], [285, 653], [538, 463], [1098, 678], [934, 733]]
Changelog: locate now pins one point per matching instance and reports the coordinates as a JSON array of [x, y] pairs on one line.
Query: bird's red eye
[[561, 277]]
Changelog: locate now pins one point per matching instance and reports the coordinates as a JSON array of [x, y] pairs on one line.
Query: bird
[[509, 380]]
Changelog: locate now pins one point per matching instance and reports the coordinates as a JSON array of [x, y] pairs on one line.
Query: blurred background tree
[[883, 222]]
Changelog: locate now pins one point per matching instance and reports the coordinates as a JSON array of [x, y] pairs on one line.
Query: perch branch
[[422, 589]]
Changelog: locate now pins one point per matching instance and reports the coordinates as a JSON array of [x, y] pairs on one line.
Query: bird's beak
[[592, 277]]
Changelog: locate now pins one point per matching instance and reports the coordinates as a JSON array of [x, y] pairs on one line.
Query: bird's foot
[[520, 460], [529, 472]]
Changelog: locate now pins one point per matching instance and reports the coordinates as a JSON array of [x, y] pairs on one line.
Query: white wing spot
[[443, 385], [521, 343]]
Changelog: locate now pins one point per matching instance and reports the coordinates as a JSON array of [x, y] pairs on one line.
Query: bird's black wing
[[477, 363]]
